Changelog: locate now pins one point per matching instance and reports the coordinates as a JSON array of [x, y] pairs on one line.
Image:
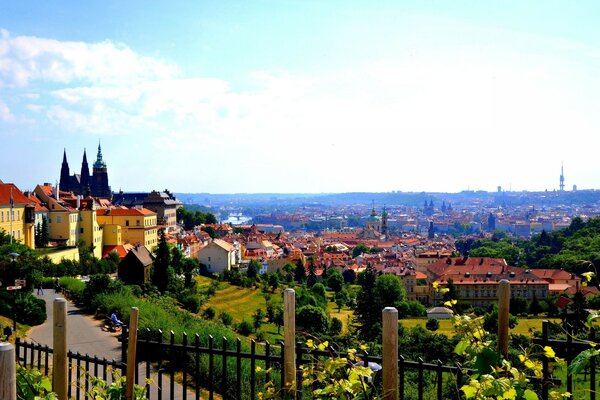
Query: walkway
[[85, 335]]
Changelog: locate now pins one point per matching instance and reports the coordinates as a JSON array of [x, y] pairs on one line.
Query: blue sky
[[302, 96]]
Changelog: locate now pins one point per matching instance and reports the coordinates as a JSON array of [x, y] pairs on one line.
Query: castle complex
[[83, 184]]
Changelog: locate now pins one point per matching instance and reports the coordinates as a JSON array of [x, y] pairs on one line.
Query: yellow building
[[17, 214], [63, 220], [138, 226]]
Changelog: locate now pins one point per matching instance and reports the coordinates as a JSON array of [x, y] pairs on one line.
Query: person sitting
[[115, 321]]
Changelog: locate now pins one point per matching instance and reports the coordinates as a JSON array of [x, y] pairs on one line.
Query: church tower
[[384, 223], [65, 175], [99, 184], [85, 176]]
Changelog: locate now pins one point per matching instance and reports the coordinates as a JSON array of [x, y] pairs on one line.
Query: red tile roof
[[17, 195]]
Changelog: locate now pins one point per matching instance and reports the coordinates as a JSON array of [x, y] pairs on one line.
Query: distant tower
[[85, 175], [562, 179], [65, 175], [99, 184], [431, 231], [491, 223], [384, 219]]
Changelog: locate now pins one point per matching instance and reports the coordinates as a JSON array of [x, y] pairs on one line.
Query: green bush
[[191, 303], [244, 328], [225, 318]]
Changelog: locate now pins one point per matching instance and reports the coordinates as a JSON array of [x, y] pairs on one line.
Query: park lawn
[[240, 303], [525, 326], [22, 329]]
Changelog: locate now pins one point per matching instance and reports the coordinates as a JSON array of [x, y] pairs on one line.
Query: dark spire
[[65, 174], [85, 175], [99, 162]]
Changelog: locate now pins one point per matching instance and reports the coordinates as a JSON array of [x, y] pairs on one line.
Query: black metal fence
[[187, 369]]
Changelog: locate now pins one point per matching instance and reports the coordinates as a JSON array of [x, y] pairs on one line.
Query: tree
[[257, 319], [311, 279], [189, 267], [312, 319], [359, 249], [341, 299], [300, 272], [535, 307], [274, 281], [253, 268], [160, 274], [176, 258], [335, 327], [349, 275], [367, 313], [335, 280], [432, 325], [210, 230]]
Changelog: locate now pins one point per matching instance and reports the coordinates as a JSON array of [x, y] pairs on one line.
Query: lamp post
[[14, 268]]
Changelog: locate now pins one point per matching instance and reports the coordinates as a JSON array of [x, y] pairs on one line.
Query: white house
[[218, 256]]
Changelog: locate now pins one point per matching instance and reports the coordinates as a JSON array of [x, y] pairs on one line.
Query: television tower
[[562, 179]]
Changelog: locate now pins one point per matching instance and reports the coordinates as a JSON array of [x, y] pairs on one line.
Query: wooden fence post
[[289, 340], [503, 315], [131, 352], [390, 353], [8, 372], [59, 358]]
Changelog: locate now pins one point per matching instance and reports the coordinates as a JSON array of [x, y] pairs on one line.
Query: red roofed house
[[17, 214]]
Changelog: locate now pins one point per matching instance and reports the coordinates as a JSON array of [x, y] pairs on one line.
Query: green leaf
[[485, 360], [461, 347], [469, 391], [582, 360], [530, 395]]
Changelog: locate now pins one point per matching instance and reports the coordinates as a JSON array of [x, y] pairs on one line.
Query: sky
[[302, 96]]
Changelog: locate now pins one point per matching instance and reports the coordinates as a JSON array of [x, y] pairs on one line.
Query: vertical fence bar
[[78, 379], [238, 368], [124, 342], [268, 360], [569, 358], [420, 379], [252, 368], [545, 364], [131, 352], [440, 382], [59, 340], [46, 359], [87, 373], [224, 368], [197, 365], [211, 367], [184, 343], [160, 370], [172, 364], [289, 338], [8, 377], [503, 315], [401, 377], [390, 353]]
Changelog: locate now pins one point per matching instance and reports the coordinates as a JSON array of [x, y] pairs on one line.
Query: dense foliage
[[191, 219]]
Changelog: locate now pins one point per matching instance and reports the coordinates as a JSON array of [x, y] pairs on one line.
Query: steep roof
[[223, 244], [17, 195]]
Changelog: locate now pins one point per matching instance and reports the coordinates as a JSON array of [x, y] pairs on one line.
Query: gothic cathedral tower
[[99, 184]]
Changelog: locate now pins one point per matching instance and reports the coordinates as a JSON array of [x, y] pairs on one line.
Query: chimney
[[78, 202]]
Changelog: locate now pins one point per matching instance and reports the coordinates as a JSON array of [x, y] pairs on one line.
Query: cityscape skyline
[[284, 97]]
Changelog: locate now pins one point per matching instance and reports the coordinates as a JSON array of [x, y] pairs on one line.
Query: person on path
[[40, 290]]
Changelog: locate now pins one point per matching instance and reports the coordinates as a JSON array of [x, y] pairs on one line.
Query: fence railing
[[181, 369]]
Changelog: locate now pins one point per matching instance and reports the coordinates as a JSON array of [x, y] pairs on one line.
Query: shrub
[[244, 328], [209, 313], [225, 318], [432, 324], [191, 303]]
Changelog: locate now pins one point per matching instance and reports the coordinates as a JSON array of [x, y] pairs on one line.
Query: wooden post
[[131, 352], [289, 340], [8, 372], [503, 315], [59, 358], [390, 353]]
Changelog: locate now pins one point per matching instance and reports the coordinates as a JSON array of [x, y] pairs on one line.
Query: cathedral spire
[[65, 174], [99, 162]]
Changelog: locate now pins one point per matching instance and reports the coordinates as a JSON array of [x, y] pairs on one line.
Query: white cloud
[[24, 59], [5, 114]]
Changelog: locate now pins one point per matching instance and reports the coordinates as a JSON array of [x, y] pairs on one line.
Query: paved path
[[85, 335]]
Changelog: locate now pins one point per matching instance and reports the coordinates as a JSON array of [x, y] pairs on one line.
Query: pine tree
[[367, 313], [311, 279], [44, 232], [160, 275], [300, 273]]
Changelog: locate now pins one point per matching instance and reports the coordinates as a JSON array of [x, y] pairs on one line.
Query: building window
[[58, 219], [127, 223], [80, 230], [18, 215]]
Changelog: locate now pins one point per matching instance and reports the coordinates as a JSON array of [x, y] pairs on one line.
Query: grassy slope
[[241, 303]]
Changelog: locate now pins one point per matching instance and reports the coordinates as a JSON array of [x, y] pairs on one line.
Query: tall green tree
[[300, 272], [160, 274], [311, 279], [366, 313]]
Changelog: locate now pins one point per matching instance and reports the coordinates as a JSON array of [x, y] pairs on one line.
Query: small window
[[126, 222], [80, 230]]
